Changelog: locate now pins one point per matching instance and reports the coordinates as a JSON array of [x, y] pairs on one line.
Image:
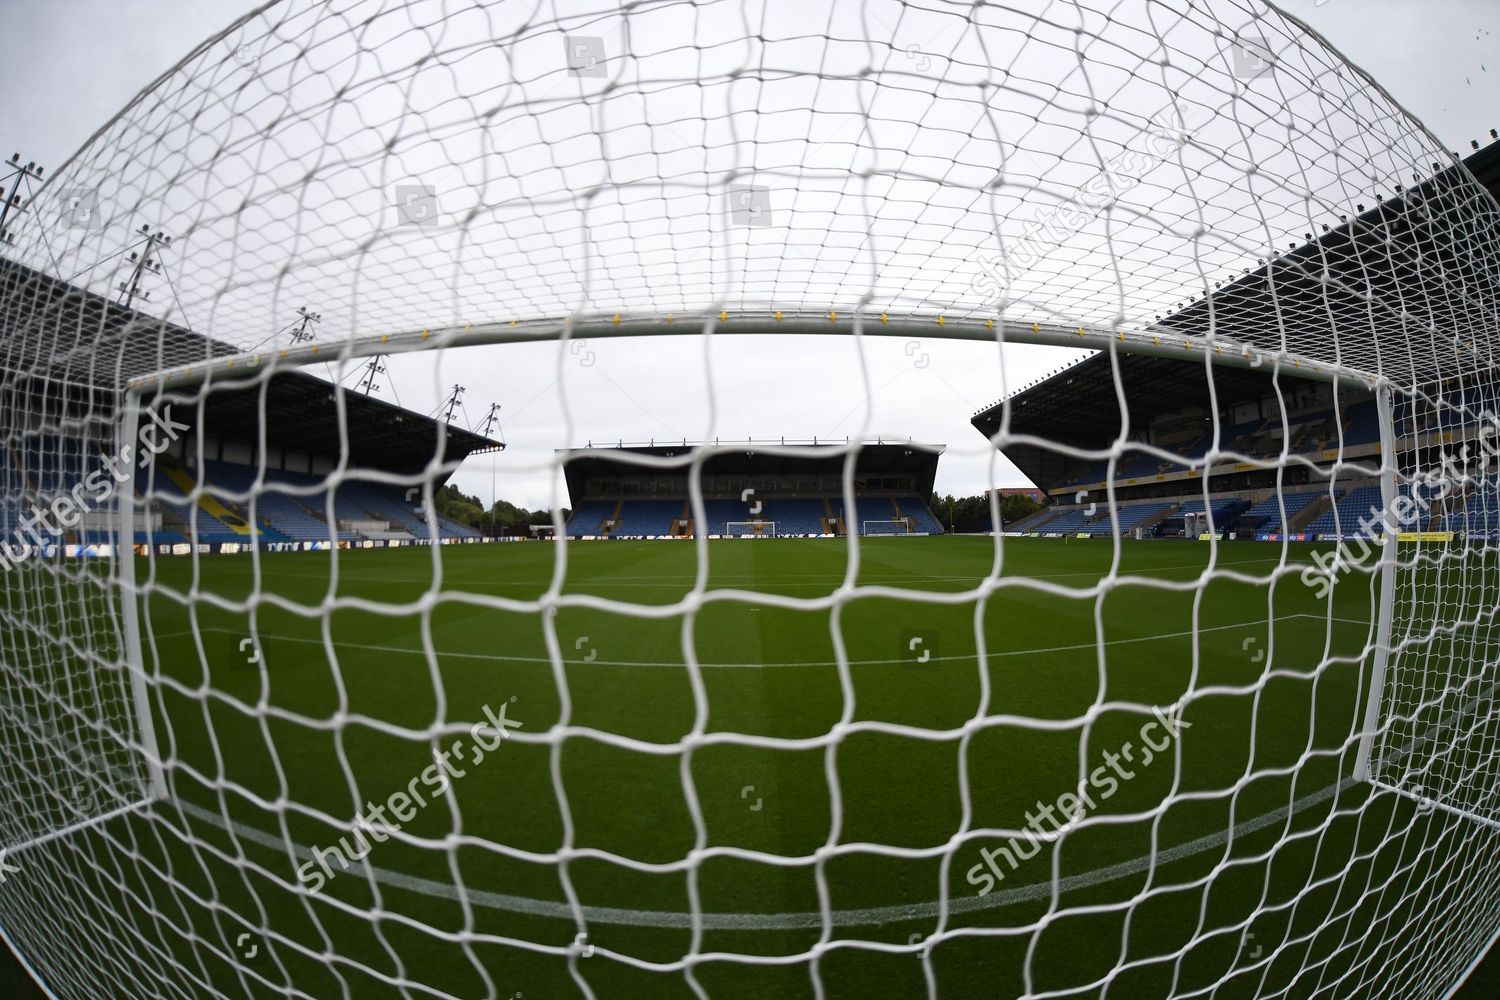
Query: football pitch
[[744, 766]]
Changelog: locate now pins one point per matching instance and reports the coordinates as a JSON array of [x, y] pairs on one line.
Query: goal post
[[125, 567], [886, 527], [1381, 646], [1431, 729], [97, 757]]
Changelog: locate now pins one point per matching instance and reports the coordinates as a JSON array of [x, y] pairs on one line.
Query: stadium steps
[[232, 520], [917, 516], [833, 524], [170, 519], [1032, 521], [1150, 522], [896, 516], [607, 525], [1307, 515], [316, 514]]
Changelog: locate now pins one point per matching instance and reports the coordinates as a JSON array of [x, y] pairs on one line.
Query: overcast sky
[[69, 65]]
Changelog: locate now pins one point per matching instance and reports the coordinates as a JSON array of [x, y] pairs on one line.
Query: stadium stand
[[1361, 424], [186, 517], [1130, 515], [286, 517], [291, 413], [1477, 513], [1347, 514], [796, 516], [383, 503], [1032, 522], [718, 514], [1269, 510], [800, 493], [1220, 509], [293, 506], [588, 518], [1261, 417], [291, 518], [651, 517], [390, 504], [922, 518], [1075, 520], [833, 507]]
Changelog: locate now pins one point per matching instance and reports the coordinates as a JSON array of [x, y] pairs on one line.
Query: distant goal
[[750, 529]]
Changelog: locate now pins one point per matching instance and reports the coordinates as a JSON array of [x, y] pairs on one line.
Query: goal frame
[[135, 661], [864, 531], [1152, 340], [751, 534], [138, 704], [1385, 622], [1368, 759]]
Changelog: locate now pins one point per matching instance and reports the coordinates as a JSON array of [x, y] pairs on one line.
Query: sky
[[69, 65]]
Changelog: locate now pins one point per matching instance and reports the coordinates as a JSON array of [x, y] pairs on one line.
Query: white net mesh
[[237, 767]]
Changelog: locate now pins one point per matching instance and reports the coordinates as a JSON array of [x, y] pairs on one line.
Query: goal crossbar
[[1151, 340]]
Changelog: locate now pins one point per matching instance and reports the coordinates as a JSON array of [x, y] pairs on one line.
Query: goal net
[[885, 528], [271, 726]]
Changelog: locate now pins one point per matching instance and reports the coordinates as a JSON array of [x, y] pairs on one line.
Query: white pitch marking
[[786, 579], [861, 916], [500, 657], [857, 917]]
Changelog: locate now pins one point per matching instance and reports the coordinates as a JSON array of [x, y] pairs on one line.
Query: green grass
[[804, 741]]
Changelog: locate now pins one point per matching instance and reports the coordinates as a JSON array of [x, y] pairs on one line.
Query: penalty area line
[[856, 917], [678, 664]]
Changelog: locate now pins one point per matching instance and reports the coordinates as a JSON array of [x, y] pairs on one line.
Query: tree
[[972, 514], [453, 504], [1016, 506]]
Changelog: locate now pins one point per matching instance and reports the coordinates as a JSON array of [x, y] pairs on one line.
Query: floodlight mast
[[490, 419], [19, 172], [452, 402], [373, 370], [145, 262], [305, 334]]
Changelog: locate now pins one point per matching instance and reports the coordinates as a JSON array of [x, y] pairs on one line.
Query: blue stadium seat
[[1129, 515], [796, 516], [1359, 505], [648, 517], [1268, 511]]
